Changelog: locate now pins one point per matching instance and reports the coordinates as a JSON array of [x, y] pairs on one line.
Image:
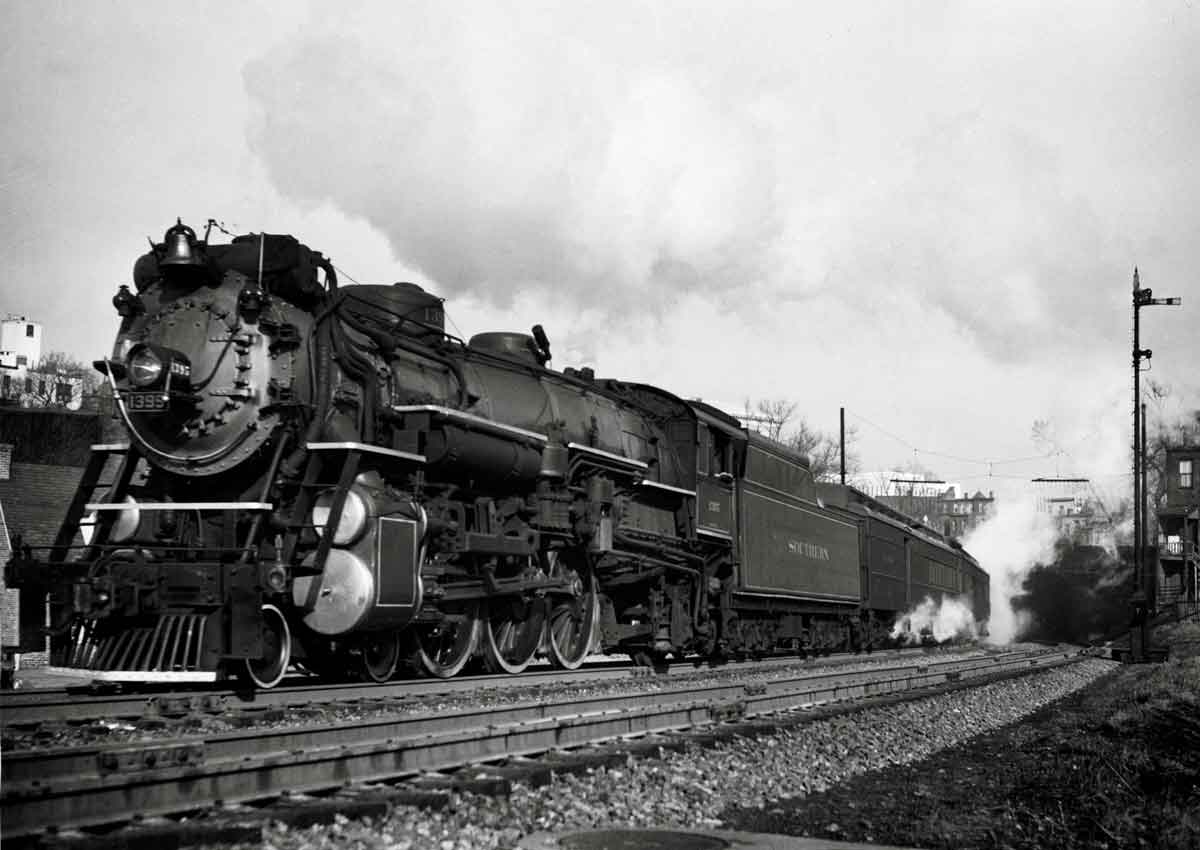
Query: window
[[1185, 474], [29, 385], [41, 386], [63, 393], [719, 461], [29, 330], [7, 384], [22, 360]]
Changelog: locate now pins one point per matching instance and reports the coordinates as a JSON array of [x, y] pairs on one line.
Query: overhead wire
[[933, 453]]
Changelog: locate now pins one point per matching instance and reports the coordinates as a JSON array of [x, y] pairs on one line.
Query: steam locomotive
[[319, 475]]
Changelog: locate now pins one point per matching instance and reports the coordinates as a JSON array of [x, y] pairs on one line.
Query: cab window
[[719, 459]]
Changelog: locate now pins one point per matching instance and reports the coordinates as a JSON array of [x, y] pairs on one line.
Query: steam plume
[[617, 156], [949, 618], [1008, 545]]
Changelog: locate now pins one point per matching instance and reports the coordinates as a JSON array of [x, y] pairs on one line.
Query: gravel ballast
[[696, 787]]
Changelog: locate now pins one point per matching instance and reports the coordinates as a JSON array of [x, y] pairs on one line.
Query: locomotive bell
[[180, 247]]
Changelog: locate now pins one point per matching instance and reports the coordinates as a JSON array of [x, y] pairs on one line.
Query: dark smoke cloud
[[1084, 595]]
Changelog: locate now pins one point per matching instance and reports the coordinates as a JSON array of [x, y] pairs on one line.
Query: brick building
[[959, 514], [941, 508], [42, 456]]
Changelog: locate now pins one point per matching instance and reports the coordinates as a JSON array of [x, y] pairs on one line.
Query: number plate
[[146, 402]]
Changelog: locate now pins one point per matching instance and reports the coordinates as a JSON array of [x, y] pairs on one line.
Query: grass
[[1116, 765]]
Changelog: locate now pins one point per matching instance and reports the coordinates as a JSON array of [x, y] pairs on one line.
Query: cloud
[[622, 156], [926, 212], [523, 173]]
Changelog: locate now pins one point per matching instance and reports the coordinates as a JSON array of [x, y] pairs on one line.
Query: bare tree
[[771, 414], [821, 448], [59, 380], [824, 451]]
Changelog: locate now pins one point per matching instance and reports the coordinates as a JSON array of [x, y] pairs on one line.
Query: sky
[[928, 213]]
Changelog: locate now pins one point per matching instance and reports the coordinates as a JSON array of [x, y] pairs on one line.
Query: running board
[[165, 676]]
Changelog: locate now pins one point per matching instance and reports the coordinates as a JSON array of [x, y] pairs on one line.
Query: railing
[[1170, 548], [1189, 610]]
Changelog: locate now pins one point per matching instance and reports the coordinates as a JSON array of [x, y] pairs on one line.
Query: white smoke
[[1008, 545], [946, 619], [619, 155]]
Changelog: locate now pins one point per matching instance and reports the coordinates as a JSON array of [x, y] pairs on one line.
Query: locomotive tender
[[321, 475]]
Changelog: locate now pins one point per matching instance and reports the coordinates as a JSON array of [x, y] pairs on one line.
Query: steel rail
[[91, 786], [83, 703]]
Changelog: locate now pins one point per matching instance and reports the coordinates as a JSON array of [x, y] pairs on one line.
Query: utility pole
[[1145, 493], [842, 441], [1140, 632]]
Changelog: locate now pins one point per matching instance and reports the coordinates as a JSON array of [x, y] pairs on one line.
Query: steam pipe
[[331, 278], [387, 341], [265, 494], [358, 368]]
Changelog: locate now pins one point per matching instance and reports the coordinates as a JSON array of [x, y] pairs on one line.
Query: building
[[22, 383], [958, 515], [20, 342], [1072, 505], [20, 353], [939, 506], [42, 458], [1178, 579]]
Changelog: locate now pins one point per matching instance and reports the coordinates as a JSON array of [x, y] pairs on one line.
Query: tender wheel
[[573, 617], [267, 671], [512, 633], [441, 650], [380, 655]]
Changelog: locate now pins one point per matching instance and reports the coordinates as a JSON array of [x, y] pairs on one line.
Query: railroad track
[[89, 703], [96, 786]]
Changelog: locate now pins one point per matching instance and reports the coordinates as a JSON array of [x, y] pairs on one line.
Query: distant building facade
[[20, 343], [941, 507], [22, 383], [1179, 528], [958, 515], [1074, 509]]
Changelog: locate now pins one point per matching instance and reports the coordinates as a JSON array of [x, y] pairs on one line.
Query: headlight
[[353, 519], [145, 367]]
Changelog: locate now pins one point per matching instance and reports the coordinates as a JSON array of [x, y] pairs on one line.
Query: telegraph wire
[[918, 450]]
